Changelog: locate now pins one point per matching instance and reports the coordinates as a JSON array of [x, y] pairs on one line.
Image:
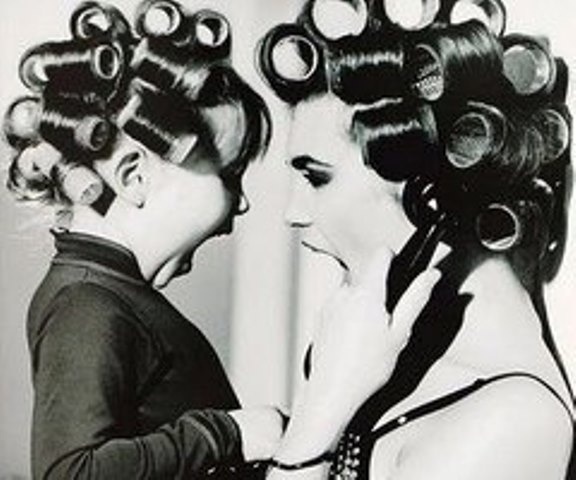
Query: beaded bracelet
[[312, 462]]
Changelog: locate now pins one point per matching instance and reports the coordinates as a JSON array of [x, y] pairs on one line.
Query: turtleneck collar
[[98, 252]]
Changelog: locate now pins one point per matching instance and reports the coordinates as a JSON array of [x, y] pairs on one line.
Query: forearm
[[190, 446]]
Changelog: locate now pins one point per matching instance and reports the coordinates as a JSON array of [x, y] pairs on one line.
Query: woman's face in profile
[[345, 208]]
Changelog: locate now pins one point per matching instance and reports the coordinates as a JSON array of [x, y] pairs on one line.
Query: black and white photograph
[[287, 240]]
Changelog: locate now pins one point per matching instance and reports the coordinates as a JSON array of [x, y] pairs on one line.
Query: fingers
[[373, 275], [412, 302]]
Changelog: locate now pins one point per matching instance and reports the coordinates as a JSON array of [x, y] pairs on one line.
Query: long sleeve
[[89, 368]]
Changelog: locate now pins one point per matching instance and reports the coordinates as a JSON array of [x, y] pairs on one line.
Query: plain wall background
[[253, 294]]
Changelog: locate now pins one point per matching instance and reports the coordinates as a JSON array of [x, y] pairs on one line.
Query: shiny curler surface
[[335, 19], [500, 226], [476, 136], [73, 66], [70, 125], [555, 132], [491, 13], [80, 184], [94, 20], [528, 65], [22, 121], [412, 14], [37, 161], [157, 62], [291, 62]]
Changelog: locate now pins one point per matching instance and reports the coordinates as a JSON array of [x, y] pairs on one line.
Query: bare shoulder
[[514, 428]]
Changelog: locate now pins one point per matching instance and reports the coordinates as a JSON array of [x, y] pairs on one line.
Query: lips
[[322, 251]]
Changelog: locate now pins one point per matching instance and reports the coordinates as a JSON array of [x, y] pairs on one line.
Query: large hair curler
[[491, 13], [528, 65], [74, 67], [291, 62], [504, 225], [22, 121], [332, 20], [447, 63], [419, 14], [476, 136], [94, 20], [70, 126]]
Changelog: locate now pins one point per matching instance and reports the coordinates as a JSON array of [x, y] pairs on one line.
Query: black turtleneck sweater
[[125, 387]]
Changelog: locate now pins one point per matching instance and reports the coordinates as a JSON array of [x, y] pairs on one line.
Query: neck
[[117, 227], [501, 330]]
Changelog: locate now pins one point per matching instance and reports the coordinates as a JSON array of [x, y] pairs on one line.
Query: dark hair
[[451, 107], [156, 85]]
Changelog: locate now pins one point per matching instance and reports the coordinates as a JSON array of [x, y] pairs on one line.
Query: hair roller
[[26, 181], [161, 123], [369, 71], [22, 121], [159, 63], [503, 226], [94, 20], [528, 65], [71, 126], [476, 136], [164, 19], [421, 14], [394, 140], [291, 62], [491, 13], [448, 62], [212, 35], [73, 66], [555, 131], [334, 19], [80, 184]]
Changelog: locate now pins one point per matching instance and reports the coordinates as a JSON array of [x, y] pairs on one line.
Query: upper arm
[[512, 430], [84, 371]]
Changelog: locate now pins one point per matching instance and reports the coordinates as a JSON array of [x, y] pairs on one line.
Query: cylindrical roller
[[528, 65], [476, 136]]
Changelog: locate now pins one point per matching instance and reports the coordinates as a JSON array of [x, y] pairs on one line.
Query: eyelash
[[317, 179]]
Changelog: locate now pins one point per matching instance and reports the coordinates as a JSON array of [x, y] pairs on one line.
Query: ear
[[131, 177]]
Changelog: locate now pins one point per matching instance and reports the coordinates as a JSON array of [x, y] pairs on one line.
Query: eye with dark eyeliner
[[317, 173]]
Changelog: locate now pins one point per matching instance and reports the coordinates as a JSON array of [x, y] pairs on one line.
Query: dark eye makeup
[[316, 172]]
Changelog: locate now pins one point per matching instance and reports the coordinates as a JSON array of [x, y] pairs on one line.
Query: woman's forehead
[[320, 126]]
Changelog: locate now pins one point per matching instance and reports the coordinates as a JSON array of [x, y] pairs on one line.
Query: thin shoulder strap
[[453, 397]]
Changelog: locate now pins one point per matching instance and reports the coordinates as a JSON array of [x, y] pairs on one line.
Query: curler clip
[[500, 227], [491, 13], [528, 65], [182, 148], [476, 136], [412, 14], [335, 19]]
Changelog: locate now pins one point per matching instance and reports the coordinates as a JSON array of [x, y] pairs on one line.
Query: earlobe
[[131, 178]]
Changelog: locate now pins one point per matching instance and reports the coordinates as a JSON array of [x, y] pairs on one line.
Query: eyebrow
[[302, 162]]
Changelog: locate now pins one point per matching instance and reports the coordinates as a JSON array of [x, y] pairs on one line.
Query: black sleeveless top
[[352, 457]]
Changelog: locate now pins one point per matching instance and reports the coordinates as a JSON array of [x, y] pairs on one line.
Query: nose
[[243, 205], [297, 213]]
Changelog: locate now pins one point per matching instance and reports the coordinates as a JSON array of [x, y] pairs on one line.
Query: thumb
[[413, 302]]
